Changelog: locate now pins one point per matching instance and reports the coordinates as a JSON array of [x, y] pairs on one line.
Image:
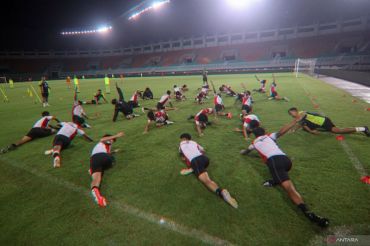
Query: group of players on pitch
[[192, 153]]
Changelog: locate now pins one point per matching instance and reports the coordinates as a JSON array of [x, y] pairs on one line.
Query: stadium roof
[[37, 24]]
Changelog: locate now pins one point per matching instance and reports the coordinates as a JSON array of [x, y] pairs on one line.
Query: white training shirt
[[247, 119], [102, 148], [218, 100], [78, 110], [164, 99], [176, 89], [247, 100], [43, 122], [266, 146], [70, 130], [190, 150]]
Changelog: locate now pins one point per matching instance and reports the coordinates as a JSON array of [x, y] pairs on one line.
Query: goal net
[[305, 66], [3, 80]]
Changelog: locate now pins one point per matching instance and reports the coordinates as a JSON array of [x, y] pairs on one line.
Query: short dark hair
[[259, 131], [168, 92], [292, 109], [107, 135], [45, 113], [114, 101], [186, 136], [254, 124]]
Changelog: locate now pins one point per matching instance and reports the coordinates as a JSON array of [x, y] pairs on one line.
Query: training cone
[[316, 106], [340, 138], [365, 179]]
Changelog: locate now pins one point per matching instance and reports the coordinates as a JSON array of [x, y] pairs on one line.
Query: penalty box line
[[356, 163], [158, 220]]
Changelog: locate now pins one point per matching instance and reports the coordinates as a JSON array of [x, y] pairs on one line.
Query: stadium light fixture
[[102, 29], [240, 3], [153, 5]]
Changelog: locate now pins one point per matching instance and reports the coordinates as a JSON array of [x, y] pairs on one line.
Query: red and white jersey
[[273, 89], [77, 110], [248, 118], [247, 100], [218, 100], [266, 146], [190, 150], [102, 147], [160, 116], [164, 99], [134, 98], [203, 111], [70, 130], [43, 122]]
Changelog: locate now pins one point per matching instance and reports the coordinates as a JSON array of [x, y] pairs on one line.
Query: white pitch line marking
[[150, 217]]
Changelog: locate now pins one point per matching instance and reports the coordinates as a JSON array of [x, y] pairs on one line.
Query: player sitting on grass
[[279, 165], [247, 102], [178, 94], [166, 98], [78, 113], [273, 93], [63, 139], [227, 89], [147, 94], [97, 97], [249, 122], [160, 118], [134, 100], [122, 106], [310, 122], [262, 88], [39, 130], [202, 95], [101, 159], [219, 104], [201, 120], [197, 163], [184, 88]]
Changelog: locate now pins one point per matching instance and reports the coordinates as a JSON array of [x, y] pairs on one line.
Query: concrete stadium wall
[[353, 76]]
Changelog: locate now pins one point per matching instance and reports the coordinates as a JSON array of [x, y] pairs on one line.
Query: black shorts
[[151, 116], [199, 164], [46, 95], [62, 141], [328, 124], [203, 118], [247, 108], [279, 166], [78, 120], [38, 132], [100, 162], [93, 101], [219, 107], [160, 106], [133, 104], [274, 94]]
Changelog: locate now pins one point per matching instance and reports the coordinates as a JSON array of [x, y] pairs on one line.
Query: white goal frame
[[3, 80], [305, 66]]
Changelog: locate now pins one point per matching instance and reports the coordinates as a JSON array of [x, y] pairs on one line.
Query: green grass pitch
[[38, 205]]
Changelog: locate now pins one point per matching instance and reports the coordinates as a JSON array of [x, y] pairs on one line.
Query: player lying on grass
[[249, 122], [122, 106], [279, 165], [201, 120], [219, 104], [78, 113], [134, 100], [97, 97], [39, 130], [178, 93], [160, 118], [197, 163], [310, 122], [147, 94], [262, 88], [63, 139], [273, 93], [101, 159], [227, 89]]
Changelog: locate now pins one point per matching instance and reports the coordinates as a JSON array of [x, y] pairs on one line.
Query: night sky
[[36, 24]]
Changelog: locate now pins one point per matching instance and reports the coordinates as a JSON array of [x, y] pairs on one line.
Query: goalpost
[[305, 66], [3, 80]]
